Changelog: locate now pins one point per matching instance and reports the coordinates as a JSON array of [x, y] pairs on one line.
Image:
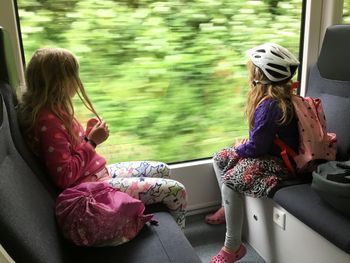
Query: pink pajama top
[[68, 165]]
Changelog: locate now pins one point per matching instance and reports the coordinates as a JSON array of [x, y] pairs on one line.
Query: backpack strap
[[286, 151], [295, 85]]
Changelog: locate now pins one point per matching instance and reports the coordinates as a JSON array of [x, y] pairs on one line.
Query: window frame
[[195, 160]]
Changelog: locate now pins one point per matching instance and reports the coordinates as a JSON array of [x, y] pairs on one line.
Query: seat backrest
[[333, 61], [28, 230], [329, 80], [27, 220], [10, 102], [9, 75]]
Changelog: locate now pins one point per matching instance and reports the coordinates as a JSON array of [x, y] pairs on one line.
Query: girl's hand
[[90, 124], [99, 132], [239, 142]]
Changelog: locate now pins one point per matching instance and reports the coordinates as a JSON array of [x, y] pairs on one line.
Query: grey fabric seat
[[305, 204], [329, 80]]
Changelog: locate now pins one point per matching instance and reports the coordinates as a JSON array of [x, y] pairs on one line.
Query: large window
[[168, 76]]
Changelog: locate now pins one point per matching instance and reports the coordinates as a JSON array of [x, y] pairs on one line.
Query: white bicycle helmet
[[276, 62]]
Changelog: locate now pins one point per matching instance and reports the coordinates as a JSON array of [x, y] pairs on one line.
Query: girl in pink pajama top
[[67, 164], [46, 116]]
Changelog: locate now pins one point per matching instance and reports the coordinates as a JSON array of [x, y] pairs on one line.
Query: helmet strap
[[256, 82]]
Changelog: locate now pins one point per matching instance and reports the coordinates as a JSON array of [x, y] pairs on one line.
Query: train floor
[[207, 240]]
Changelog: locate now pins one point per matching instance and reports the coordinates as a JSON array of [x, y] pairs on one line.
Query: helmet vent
[[276, 74], [261, 51], [276, 54], [287, 55], [279, 67]]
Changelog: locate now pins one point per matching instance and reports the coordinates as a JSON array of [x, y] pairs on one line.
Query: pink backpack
[[314, 141], [96, 214]]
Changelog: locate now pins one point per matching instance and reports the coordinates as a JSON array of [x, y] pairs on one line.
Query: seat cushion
[[162, 243], [305, 204]]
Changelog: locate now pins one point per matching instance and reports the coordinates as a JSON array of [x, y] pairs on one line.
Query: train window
[[168, 76]]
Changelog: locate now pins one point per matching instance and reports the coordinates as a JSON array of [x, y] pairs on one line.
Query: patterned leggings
[[149, 182]]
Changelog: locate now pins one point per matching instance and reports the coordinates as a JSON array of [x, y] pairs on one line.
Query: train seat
[[329, 80]]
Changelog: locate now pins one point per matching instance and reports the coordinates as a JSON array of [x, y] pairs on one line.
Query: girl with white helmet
[[253, 167]]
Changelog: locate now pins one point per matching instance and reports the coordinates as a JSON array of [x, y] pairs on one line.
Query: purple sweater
[[264, 131]]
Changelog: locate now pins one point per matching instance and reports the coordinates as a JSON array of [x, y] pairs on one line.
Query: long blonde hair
[[52, 78], [261, 88]]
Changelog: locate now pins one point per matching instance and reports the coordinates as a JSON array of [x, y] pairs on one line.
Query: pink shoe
[[227, 257], [217, 218]]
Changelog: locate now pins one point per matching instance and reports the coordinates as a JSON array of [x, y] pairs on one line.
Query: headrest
[[8, 69], [1, 111], [334, 59]]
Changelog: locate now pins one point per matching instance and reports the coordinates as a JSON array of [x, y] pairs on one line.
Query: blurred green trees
[[346, 12], [168, 76]]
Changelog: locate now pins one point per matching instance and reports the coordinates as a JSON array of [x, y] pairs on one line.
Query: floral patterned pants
[[149, 182]]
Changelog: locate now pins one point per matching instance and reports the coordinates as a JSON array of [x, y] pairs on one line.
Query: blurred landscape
[[169, 77]]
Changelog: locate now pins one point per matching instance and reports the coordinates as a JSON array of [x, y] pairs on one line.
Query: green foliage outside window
[[168, 76], [346, 12]]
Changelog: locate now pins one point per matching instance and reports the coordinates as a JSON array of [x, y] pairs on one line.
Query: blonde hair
[[52, 78], [261, 88]]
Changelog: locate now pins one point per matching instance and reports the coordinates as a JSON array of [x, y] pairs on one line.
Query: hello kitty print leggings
[[149, 182]]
